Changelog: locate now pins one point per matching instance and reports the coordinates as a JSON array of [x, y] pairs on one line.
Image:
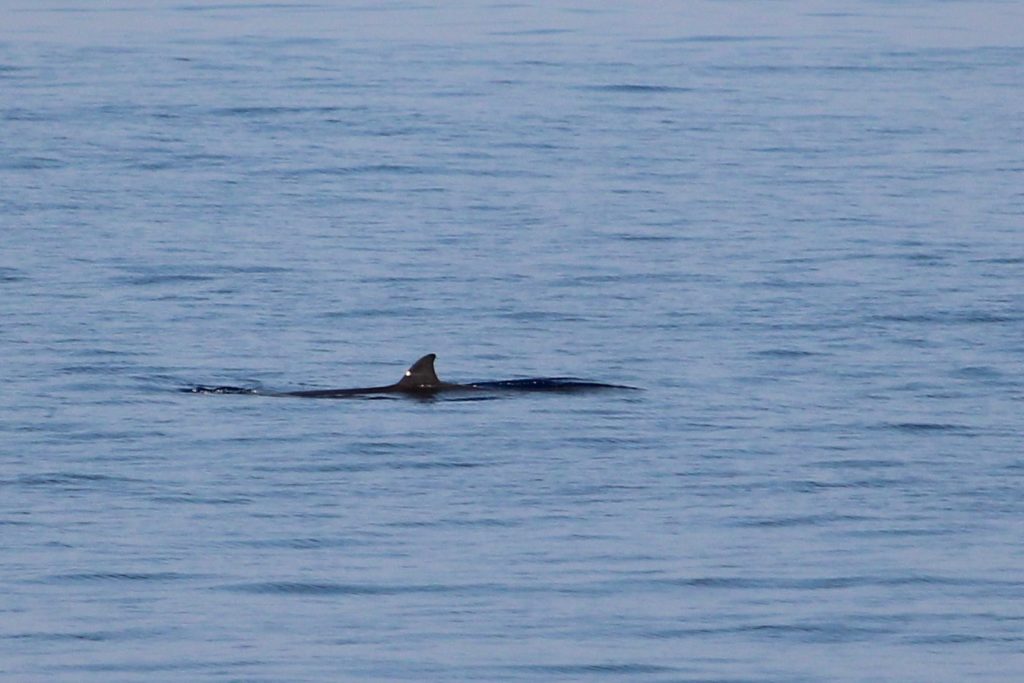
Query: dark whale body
[[421, 381]]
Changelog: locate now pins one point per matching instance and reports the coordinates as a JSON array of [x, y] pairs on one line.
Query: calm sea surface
[[796, 225]]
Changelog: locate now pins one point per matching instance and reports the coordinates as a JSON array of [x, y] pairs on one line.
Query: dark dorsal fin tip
[[421, 373]]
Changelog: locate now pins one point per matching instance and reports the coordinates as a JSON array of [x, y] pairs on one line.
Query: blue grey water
[[795, 225]]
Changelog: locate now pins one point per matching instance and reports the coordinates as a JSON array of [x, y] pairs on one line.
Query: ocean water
[[796, 226]]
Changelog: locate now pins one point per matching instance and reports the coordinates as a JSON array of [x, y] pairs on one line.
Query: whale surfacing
[[421, 380]]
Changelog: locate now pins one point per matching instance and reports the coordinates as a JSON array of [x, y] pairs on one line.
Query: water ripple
[[331, 588]]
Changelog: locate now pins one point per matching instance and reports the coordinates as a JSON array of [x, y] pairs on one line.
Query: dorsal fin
[[420, 374]]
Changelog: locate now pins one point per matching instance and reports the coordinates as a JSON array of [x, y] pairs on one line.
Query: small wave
[[821, 583], [302, 543], [900, 532], [88, 636], [638, 88], [859, 463], [592, 669], [710, 38], [189, 499], [916, 427], [541, 316], [330, 588], [275, 111], [65, 479], [124, 576], [947, 318], [432, 465], [810, 632], [785, 353], [797, 520], [259, 269], [977, 372], [956, 639], [374, 465], [147, 280], [534, 32], [31, 164], [12, 275], [1004, 260], [95, 636], [365, 169]]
